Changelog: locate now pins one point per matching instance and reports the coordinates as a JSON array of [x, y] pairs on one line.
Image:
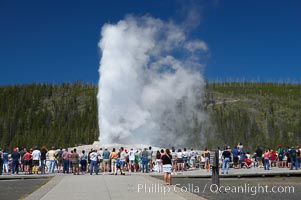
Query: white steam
[[150, 84]]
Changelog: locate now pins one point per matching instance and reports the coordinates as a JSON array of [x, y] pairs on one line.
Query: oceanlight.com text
[[251, 189]]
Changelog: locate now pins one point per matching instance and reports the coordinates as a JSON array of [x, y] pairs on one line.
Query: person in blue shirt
[[5, 161], [106, 159], [241, 159], [15, 155]]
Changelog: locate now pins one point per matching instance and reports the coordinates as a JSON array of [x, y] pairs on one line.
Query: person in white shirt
[[132, 160], [180, 160], [192, 158], [185, 159], [36, 156], [93, 165], [220, 157], [100, 158], [123, 155]]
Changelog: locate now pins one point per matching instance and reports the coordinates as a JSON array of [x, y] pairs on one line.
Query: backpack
[[84, 157], [281, 152], [118, 163], [293, 154], [136, 158]]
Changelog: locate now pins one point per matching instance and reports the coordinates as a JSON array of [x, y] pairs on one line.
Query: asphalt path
[[13, 189], [276, 188]]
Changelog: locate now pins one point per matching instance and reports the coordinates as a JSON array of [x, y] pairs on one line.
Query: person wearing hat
[[226, 159]]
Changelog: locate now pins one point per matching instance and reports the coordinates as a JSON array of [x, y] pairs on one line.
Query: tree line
[[48, 114], [256, 114]]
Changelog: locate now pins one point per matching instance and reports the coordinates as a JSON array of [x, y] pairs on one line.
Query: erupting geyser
[[150, 83]]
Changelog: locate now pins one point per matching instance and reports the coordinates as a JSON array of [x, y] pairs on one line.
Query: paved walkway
[[133, 185], [108, 187]]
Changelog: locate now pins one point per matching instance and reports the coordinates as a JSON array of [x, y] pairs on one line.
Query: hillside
[[60, 115], [264, 114]]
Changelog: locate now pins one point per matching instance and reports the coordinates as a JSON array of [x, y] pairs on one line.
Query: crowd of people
[[288, 157], [114, 161]]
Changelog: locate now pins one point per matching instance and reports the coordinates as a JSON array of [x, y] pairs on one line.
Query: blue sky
[[54, 41]]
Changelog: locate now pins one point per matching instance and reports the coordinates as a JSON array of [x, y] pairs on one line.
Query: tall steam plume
[[150, 83]]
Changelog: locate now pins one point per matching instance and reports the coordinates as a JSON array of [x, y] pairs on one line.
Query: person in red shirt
[[26, 158], [273, 158]]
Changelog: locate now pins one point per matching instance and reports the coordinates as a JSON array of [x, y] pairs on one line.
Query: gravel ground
[[13, 189], [244, 188]]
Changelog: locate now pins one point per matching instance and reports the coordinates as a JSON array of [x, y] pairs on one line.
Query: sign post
[[214, 161]]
